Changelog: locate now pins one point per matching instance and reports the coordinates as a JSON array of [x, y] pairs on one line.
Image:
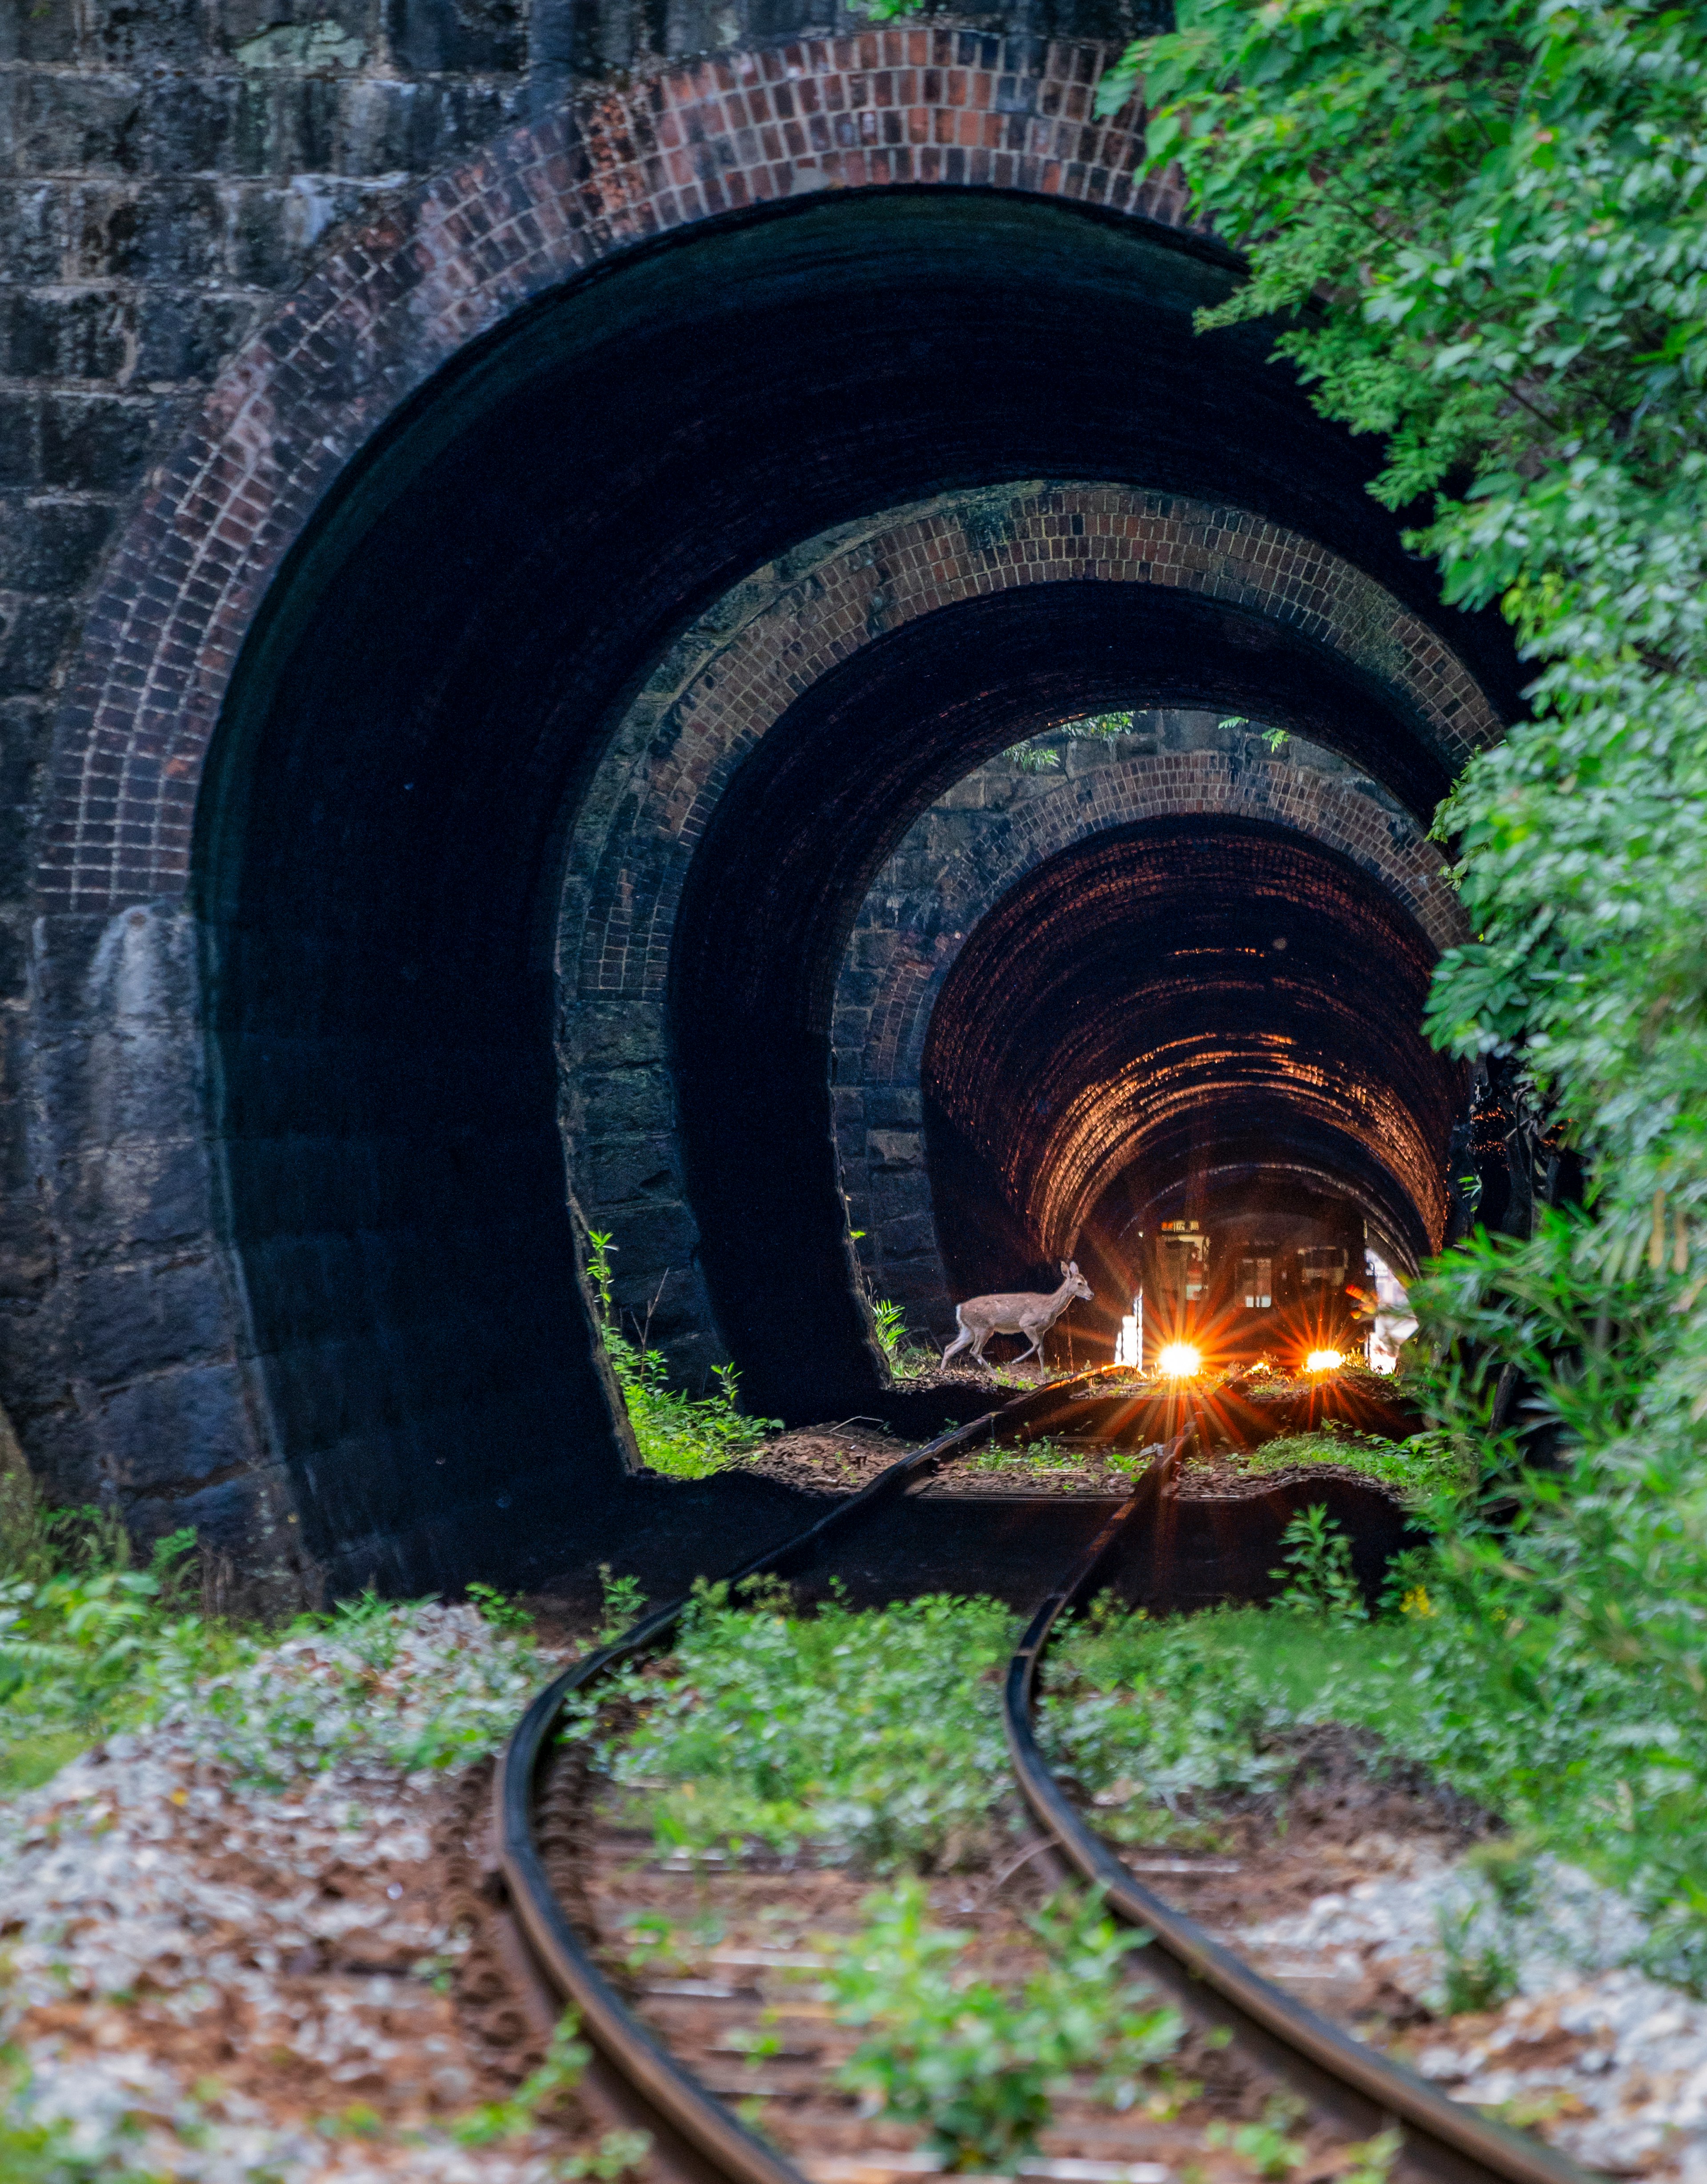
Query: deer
[[1016, 1311]]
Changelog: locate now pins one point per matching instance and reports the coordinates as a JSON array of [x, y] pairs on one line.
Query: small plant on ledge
[[684, 1436]]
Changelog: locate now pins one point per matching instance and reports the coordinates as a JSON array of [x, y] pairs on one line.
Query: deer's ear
[[1065, 1268]]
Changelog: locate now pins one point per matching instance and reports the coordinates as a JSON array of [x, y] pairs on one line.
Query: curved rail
[[693, 2124], [1442, 2137], [1445, 2137]]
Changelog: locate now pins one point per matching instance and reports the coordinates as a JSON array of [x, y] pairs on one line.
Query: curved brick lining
[[1348, 813], [940, 107], [910, 935], [729, 679], [689, 732]]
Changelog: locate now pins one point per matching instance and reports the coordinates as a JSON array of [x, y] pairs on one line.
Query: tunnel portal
[[517, 682]]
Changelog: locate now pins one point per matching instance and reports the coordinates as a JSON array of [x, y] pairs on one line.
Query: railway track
[[697, 2135]]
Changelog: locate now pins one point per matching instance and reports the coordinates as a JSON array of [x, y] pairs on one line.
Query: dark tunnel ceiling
[[1126, 1008], [379, 841]]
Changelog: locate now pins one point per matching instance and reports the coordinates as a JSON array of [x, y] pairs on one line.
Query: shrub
[[874, 1736], [1317, 1567]]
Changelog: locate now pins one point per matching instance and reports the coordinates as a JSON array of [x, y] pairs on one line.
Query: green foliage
[[976, 2066], [619, 2153], [1370, 2161], [624, 1598], [1316, 1564], [1481, 228], [1271, 2146], [1578, 1756], [1420, 1468], [98, 1648], [80, 1647], [657, 1944], [499, 1609], [1039, 754], [541, 2092], [34, 2151], [1481, 1966], [1044, 1455], [685, 1436], [1152, 1722], [906, 1360], [1574, 1595], [876, 1736]]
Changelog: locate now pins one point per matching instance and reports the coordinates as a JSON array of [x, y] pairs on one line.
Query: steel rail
[[1446, 2138], [669, 2101]]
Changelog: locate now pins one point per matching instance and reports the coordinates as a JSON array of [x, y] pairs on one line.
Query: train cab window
[[1186, 1252], [1256, 1284]]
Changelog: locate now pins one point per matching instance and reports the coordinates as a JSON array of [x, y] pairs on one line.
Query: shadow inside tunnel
[[1202, 1551]]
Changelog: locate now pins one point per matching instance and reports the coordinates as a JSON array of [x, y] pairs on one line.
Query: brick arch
[[735, 674], [899, 960], [1348, 815], [938, 108]]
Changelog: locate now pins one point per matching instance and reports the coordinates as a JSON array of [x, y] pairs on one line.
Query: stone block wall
[[167, 169]]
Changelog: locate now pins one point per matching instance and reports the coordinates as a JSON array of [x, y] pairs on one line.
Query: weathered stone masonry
[[167, 171], [169, 174]]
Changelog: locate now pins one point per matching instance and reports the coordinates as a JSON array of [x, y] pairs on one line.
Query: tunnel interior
[[381, 838], [1198, 1019]]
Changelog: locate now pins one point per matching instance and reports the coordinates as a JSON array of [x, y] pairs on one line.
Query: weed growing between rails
[[684, 1436], [976, 2063], [1418, 1469], [875, 1737]]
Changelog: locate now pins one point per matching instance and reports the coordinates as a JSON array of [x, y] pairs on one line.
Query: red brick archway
[[652, 799], [1340, 812], [935, 109], [729, 680]]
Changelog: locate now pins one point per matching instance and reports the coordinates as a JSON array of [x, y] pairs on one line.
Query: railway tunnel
[[556, 735]]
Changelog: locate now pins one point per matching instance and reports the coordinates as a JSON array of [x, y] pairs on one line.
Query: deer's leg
[[1037, 1348], [978, 1342], [958, 1344]]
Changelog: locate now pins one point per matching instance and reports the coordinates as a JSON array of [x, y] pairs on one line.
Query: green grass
[[1419, 1469], [1578, 1759], [36, 1757], [90, 1646], [1281, 1668], [1041, 1456], [876, 1738]]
